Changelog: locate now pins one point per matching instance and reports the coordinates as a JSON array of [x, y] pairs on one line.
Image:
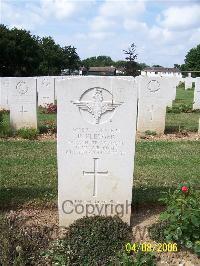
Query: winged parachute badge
[[97, 106]]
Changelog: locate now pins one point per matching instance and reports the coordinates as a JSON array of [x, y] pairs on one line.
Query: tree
[[142, 66], [192, 61], [51, 63], [71, 59], [4, 51], [156, 66], [131, 64], [23, 54], [177, 66], [20, 53], [99, 61], [120, 64]]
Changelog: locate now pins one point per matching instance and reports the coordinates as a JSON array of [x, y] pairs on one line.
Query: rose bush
[[181, 220]]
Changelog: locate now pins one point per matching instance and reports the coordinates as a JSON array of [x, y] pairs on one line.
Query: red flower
[[185, 189]]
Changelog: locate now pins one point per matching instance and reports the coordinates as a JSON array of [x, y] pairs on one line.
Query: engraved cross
[[95, 173], [151, 112], [22, 110]]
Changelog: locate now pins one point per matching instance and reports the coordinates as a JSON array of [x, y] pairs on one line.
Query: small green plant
[[91, 241], [182, 108], [1, 117], [5, 129], [48, 127], [27, 133], [137, 259], [181, 220], [150, 133]]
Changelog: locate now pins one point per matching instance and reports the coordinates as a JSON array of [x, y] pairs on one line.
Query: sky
[[162, 30]]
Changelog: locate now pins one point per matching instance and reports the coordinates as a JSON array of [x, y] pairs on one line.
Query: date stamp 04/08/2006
[[149, 247]]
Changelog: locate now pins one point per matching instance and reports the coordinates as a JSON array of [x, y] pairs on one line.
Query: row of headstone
[[154, 95], [96, 128], [45, 87]]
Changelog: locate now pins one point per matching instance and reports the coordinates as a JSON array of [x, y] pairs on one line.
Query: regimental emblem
[[93, 102], [153, 86], [45, 83], [22, 87]]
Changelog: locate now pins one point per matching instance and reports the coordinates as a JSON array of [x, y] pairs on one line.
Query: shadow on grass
[[148, 195], [14, 197], [178, 129], [145, 203]]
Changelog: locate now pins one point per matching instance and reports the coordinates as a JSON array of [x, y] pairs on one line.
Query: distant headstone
[[60, 78], [171, 89], [46, 90], [96, 145], [188, 83], [4, 93], [23, 104], [154, 96], [196, 104]]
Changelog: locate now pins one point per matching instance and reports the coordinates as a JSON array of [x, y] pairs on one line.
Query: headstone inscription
[[23, 103], [196, 104], [153, 100], [45, 90], [96, 126]]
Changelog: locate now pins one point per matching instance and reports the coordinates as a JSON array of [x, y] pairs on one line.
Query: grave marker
[[4, 93], [23, 104], [196, 104], [96, 126], [154, 96], [46, 90], [188, 83]]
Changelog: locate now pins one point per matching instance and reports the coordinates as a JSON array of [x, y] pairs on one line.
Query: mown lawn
[[182, 121], [28, 170], [184, 96]]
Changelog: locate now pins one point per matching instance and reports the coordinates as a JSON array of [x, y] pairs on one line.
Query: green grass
[[182, 121], [184, 96], [28, 170], [44, 118], [161, 165]]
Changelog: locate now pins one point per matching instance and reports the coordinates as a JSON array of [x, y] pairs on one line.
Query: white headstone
[[46, 90], [96, 145], [23, 103], [171, 90], [4, 93], [154, 96], [196, 104], [188, 83], [60, 78]]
